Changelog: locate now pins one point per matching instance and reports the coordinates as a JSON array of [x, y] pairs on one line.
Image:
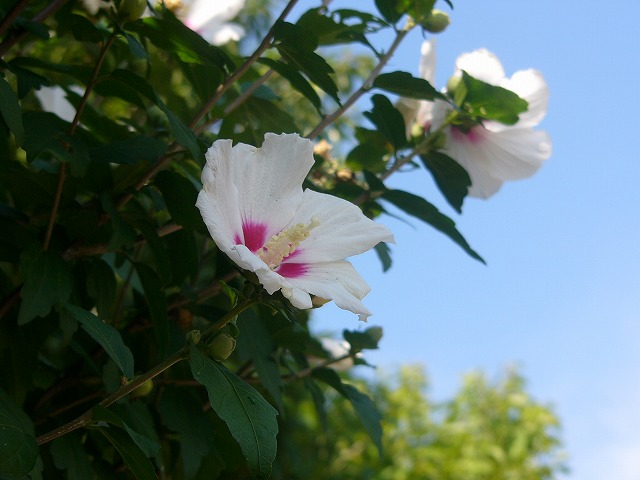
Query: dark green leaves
[[452, 179], [406, 85], [418, 207], [107, 336], [388, 121], [10, 110], [366, 340], [180, 197], [125, 80], [131, 150], [47, 283], [17, 443], [297, 48], [491, 102], [133, 457], [250, 419]]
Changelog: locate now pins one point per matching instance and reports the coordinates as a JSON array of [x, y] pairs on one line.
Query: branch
[[366, 86], [74, 125]]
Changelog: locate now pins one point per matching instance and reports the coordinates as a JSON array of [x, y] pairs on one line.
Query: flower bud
[[130, 10], [221, 347], [437, 22], [452, 85], [143, 390], [193, 337]]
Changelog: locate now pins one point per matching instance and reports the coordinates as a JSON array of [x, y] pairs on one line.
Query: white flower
[[493, 153], [210, 18], [256, 211]]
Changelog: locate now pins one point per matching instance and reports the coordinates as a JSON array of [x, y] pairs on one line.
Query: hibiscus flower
[[295, 241], [492, 152]]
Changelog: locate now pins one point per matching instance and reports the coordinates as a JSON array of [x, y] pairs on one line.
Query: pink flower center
[[255, 235], [473, 136], [279, 249]]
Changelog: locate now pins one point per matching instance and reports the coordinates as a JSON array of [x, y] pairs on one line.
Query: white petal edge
[[343, 229], [482, 65]]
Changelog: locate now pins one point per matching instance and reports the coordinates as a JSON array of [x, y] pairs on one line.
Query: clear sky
[[560, 296]]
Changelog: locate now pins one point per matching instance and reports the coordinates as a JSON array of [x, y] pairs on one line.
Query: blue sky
[[560, 296]]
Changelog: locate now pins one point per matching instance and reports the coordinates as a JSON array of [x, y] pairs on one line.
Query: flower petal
[[270, 178], [531, 86], [492, 157], [342, 231], [482, 65], [337, 281], [218, 199], [220, 33], [427, 68]]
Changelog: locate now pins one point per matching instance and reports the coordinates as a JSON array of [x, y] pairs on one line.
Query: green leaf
[[183, 135], [11, 111], [132, 455], [388, 120], [452, 179], [383, 252], [171, 34], [366, 340], [136, 48], [297, 48], [18, 445], [363, 406], [183, 255], [68, 454], [406, 85], [296, 80], [391, 10], [418, 207], [47, 282], [107, 336], [101, 286], [250, 419], [254, 343], [157, 302], [182, 413], [180, 196], [367, 156], [491, 102], [131, 150], [27, 80], [148, 446]]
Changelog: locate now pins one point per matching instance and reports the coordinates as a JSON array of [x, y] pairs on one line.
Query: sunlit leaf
[[492, 102], [406, 85], [250, 419]]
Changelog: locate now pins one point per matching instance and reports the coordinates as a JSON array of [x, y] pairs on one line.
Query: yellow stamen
[[283, 244]]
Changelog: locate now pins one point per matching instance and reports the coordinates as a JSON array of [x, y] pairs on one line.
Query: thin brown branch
[[11, 40], [74, 125], [12, 15], [366, 86]]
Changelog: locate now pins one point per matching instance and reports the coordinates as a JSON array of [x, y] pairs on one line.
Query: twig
[[11, 16], [11, 40], [74, 125], [366, 86]]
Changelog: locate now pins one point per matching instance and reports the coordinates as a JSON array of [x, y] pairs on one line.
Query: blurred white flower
[[492, 153], [54, 100], [295, 241], [92, 6], [211, 19], [336, 349]]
